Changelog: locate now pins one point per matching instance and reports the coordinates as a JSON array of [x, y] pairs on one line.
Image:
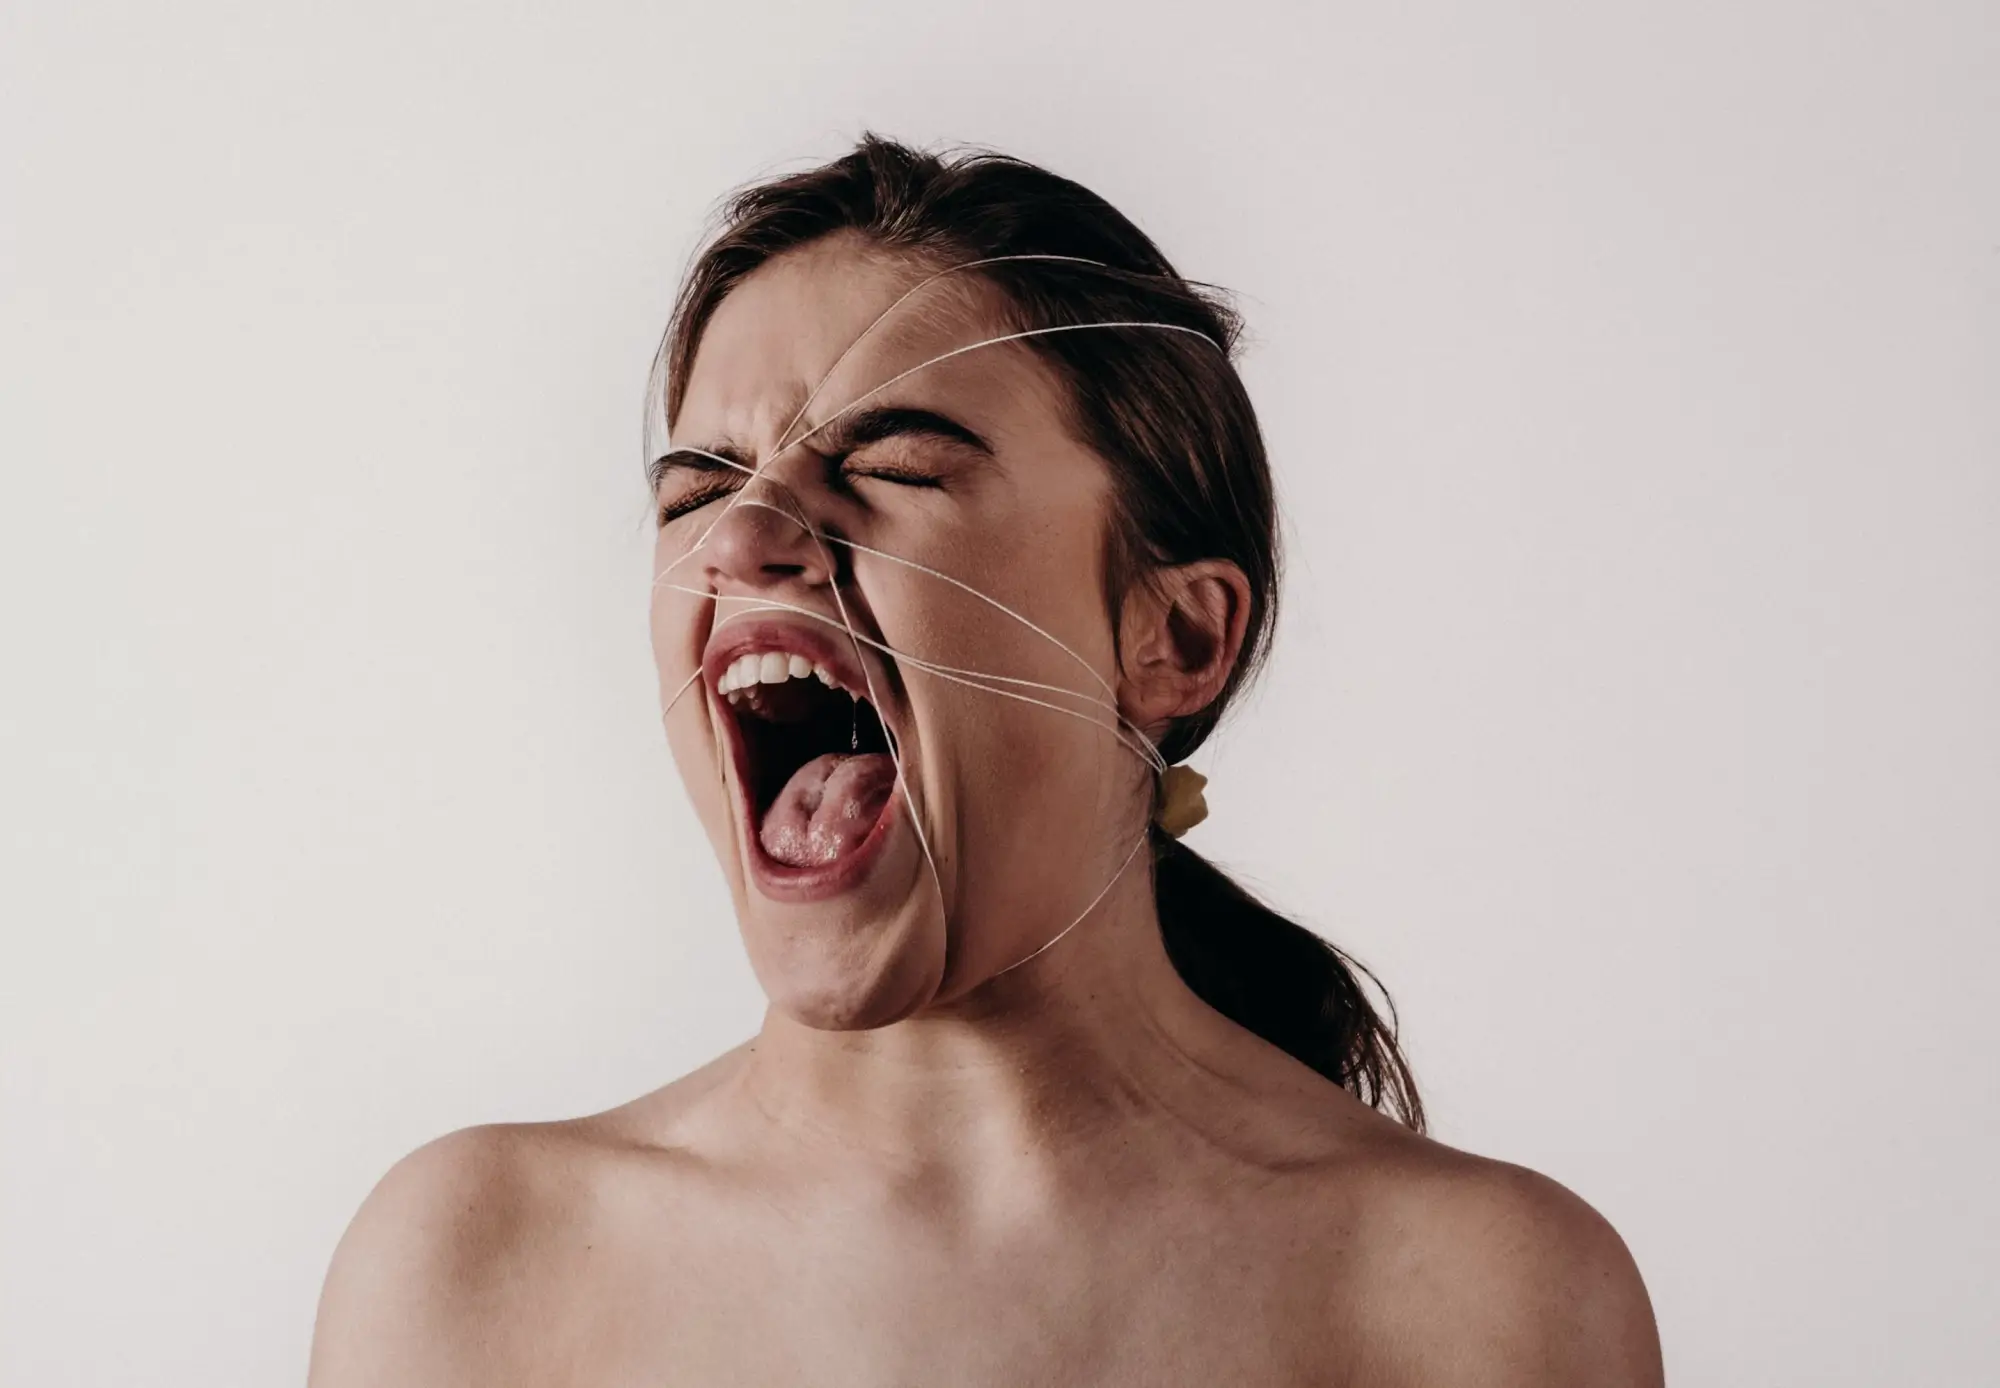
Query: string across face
[[1095, 704]]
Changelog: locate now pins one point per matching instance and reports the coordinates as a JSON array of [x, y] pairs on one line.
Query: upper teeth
[[770, 667]]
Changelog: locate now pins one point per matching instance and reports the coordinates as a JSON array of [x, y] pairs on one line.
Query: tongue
[[827, 808]]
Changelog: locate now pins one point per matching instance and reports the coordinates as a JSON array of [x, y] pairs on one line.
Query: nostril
[[784, 570]]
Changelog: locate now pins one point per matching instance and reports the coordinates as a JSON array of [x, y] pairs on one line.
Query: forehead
[[813, 319]]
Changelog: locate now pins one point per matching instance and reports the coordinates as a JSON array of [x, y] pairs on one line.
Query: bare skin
[[925, 1170]]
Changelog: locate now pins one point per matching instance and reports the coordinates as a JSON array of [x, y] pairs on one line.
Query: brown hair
[[1169, 414]]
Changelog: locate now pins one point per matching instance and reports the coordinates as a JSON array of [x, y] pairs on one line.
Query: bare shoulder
[[420, 1281], [474, 1258], [1478, 1271]]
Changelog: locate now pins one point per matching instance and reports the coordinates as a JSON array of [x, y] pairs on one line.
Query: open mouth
[[812, 754]]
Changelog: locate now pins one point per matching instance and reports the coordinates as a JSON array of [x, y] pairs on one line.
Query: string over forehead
[[656, 430]]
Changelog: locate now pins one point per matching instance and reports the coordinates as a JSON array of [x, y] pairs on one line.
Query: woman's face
[[867, 891]]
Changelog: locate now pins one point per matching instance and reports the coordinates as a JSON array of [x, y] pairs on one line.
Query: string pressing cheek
[[1117, 728], [1100, 711], [1127, 733]]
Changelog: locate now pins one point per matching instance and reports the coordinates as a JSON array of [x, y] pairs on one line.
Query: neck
[[1045, 1067]]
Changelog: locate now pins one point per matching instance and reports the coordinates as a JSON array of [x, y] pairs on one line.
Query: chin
[[834, 971]]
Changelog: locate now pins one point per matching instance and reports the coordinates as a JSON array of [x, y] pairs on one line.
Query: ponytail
[[1277, 979]]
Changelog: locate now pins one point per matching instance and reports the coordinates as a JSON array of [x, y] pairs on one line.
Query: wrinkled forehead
[[810, 325]]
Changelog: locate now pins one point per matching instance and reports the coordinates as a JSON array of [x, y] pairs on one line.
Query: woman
[[966, 540]]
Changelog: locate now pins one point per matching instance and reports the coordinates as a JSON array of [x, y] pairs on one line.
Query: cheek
[[678, 625], [697, 751], [1040, 738], [1041, 563], [676, 620]]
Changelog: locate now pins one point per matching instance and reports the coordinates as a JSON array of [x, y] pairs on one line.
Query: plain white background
[[1631, 376]]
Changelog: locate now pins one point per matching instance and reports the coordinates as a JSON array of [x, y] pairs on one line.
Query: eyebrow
[[843, 435], [873, 425], [694, 460]]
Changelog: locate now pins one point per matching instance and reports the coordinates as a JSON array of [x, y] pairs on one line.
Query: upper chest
[[1159, 1291]]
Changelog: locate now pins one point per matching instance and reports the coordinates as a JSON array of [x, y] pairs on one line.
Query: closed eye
[[900, 474], [693, 501], [688, 479], [903, 446]]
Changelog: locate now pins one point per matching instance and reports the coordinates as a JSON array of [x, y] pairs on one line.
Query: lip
[[794, 635], [825, 647]]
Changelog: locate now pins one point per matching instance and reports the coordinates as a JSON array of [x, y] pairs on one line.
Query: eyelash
[[694, 502], [902, 477]]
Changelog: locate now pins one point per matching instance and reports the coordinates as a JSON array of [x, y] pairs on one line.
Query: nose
[[762, 541]]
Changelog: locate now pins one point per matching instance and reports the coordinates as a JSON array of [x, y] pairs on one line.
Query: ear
[[1180, 633]]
